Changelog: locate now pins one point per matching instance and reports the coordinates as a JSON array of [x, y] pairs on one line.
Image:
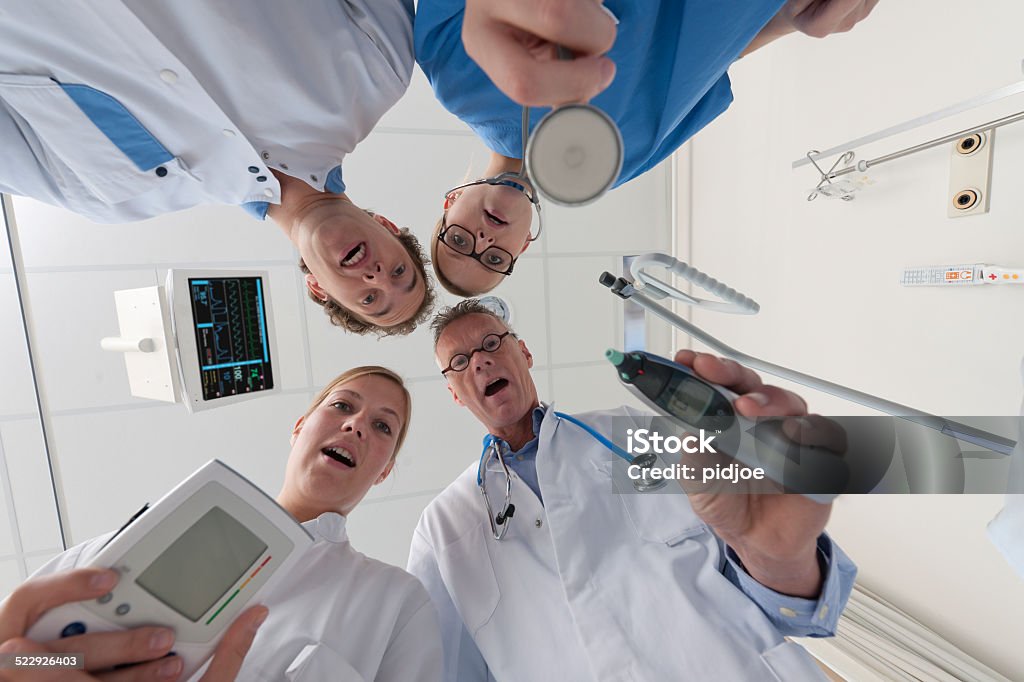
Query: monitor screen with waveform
[[230, 320]]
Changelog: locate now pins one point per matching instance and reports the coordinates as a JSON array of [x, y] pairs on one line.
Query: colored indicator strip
[[240, 588]]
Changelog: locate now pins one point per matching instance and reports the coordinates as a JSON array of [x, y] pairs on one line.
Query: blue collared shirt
[[524, 460]]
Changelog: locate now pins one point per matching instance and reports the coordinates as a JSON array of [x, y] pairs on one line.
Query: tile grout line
[[309, 390], [12, 512]]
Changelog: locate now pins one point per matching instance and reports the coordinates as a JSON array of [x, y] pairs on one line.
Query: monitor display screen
[[230, 321], [195, 570], [687, 398]]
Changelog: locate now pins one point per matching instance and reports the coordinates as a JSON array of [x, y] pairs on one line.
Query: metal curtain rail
[[966, 105], [863, 165]]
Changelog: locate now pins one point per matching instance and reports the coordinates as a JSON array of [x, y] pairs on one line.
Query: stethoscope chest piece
[[646, 483], [574, 155]]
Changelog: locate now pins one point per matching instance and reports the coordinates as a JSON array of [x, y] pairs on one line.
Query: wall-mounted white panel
[[71, 312], [419, 109], [54, 237], [17, 396], [585, 317], [383, 529], [10, 576], [32, 490], [114, 461], [633, 218]]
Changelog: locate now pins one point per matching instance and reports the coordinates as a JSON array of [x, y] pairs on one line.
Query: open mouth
[[340, 455], [495, 387], [495, 217], [355, 256]]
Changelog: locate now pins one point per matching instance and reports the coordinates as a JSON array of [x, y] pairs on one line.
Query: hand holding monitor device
[[191, 562]]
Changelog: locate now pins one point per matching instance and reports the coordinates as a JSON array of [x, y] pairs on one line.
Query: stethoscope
[[572, 158], [493, 447]]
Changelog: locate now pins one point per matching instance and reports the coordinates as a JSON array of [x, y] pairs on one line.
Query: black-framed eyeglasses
[[490, 344], [465, 244], [460, 240]]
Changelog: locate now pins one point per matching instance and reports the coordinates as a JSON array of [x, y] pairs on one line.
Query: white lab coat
[[594, 585], [338, 617], [227, 89]]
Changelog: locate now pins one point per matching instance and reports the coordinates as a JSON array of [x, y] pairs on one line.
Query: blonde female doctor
[[340, 615]]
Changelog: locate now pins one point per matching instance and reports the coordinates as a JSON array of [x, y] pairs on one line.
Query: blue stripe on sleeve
[[119, 125]]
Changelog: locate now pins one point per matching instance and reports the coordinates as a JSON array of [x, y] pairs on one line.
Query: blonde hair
[[370, 370]]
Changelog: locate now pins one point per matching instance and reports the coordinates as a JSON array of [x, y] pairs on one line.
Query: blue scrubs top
[[671, 58]]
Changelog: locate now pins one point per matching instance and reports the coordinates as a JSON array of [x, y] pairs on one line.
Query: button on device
[[161, 171], [122, 609], [72, 629], [168, 76], [105, 598], [254, 169], [261, 178]]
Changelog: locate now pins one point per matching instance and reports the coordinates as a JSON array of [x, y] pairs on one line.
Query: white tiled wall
[[28, 521], [114, 452], [827, 272], [31, 490]]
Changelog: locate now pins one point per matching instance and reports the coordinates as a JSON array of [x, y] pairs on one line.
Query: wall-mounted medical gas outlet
[[970, 174]]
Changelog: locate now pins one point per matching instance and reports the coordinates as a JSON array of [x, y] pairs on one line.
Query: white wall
[[826, 273], [114, 452]]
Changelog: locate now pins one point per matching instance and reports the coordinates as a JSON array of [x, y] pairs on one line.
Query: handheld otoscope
[[701, 406]]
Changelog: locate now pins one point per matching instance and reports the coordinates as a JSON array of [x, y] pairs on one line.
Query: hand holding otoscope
[[724, 398], [774, 535]]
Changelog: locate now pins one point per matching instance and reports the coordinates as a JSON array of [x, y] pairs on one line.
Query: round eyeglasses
[[490, 344], [460, 240]]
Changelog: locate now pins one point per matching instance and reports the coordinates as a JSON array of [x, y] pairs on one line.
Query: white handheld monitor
[[191, 562], [223, 327]]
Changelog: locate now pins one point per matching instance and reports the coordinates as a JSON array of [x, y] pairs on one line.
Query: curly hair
[[341, 316], [470, 306]]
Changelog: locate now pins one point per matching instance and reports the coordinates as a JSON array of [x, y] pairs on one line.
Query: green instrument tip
[[615, 357]]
